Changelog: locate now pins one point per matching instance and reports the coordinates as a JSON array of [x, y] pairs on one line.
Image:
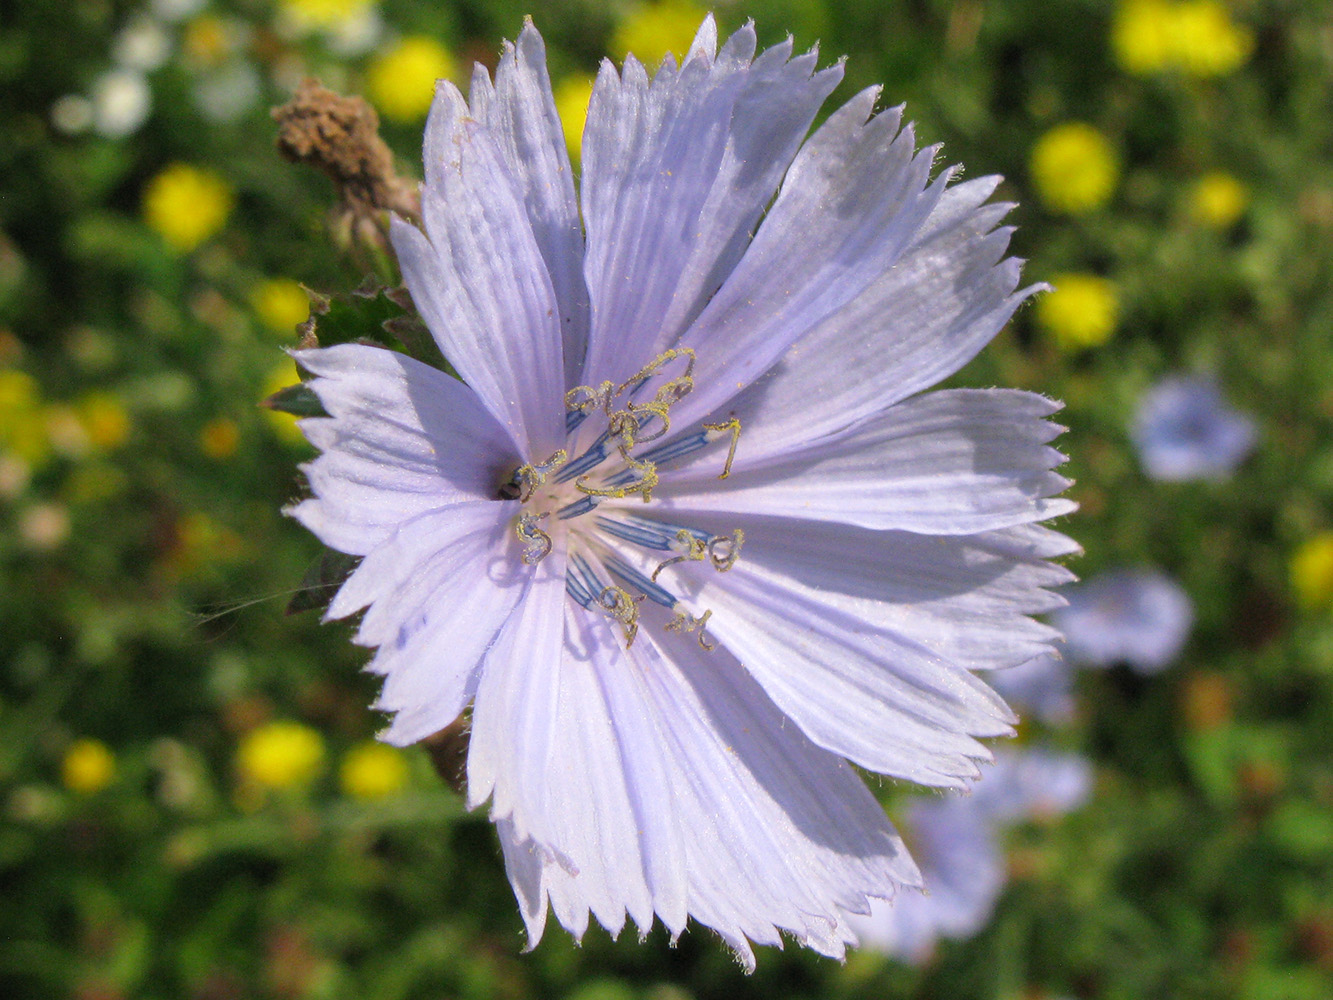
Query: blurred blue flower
[[962, 874], [1042, 687], [957, 843], [1032, 783], [1138, 617], [733, 357], [1184, 429]]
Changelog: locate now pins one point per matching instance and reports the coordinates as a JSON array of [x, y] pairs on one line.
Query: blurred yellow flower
[[1195, 37], [65, 431], [324, 13], [1207, 41], [280, 303], [372, 770], [105, 420], [280, 754], [652, 30], [1218, 200], [572, 95], [283, 424], [1312, 573], [1074, 168], [207, 41], [18, 391], [219, 438], [24, 428], [401, 81], [1141, 36], [187, 205], [1080, 312], [88, 766]]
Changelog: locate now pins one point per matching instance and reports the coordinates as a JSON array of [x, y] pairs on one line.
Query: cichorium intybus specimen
[[688, 535]]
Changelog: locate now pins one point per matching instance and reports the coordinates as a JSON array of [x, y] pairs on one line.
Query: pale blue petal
[[956, 461], [619, 845], [645, 768], [478, 278], [918, 322], [871, 693], [677, 171], [965, 598], [515, 718], [622, 850], [525, 865], [401, 439], [519, 111], [439, 591], [853, 200], [760, 832], [784, 834]]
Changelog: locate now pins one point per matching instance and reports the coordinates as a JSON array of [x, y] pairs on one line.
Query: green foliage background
[[1203, 867]]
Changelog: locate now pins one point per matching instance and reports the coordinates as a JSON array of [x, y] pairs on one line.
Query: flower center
[[557, 491]]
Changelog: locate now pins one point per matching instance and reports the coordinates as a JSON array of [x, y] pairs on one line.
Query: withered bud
[[340, 136]]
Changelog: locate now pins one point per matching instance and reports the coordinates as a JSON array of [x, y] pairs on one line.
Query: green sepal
[[321, 581], [299, 400], [372, 313]]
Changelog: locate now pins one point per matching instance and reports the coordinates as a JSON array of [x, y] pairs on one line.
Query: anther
[[686, 622], [536, 543], [616, 602], [723, 551]]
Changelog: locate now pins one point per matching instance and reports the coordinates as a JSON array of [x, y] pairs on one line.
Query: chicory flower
[[687, 536]]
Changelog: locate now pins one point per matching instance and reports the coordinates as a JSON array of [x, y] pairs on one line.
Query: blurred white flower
[[177, 10], [122, 100], [72, 114], [356, 34], [143, 44], [228, 94], [14, 475], [43, 526]]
